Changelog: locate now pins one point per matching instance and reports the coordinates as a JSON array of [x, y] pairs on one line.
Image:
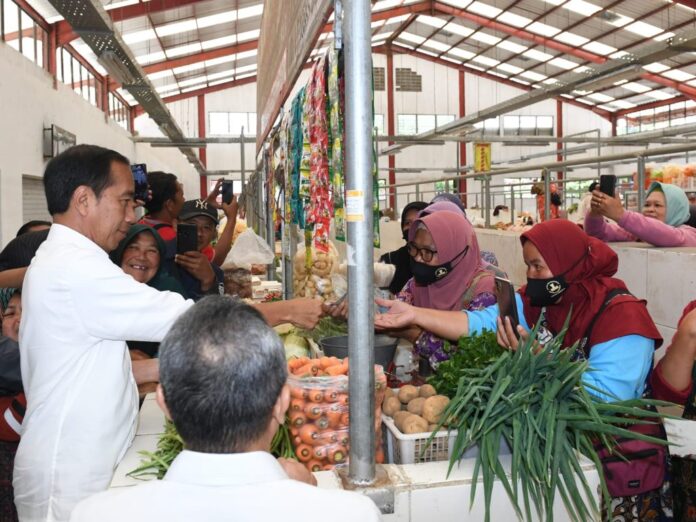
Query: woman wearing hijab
[[400, 257], [662, 222], [572, 276], [448, 274]]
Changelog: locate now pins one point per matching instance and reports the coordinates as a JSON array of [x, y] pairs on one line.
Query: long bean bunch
[[538, 405]]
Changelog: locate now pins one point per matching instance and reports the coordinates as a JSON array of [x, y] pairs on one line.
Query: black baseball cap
[[198, 207]]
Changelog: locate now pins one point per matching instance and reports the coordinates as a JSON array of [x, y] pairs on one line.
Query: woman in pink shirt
[[662, 223]]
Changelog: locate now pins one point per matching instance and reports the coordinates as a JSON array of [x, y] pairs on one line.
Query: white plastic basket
[[407, 449]]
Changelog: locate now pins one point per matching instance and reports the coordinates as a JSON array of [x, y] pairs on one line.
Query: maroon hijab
[[588, 265], [451, 233]]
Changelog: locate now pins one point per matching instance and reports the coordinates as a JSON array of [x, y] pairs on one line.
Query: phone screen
[[227, 192], [507, 305], [186, 238], [607, 184], [139, 171]]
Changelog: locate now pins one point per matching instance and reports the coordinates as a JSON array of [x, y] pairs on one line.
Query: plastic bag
[[249, 249], [312, 273], [319, 419]]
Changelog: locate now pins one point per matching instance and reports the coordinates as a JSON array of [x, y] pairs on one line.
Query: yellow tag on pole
[[482, 157]]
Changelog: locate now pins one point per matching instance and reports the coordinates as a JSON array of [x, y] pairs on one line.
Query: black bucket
[[385, 347]]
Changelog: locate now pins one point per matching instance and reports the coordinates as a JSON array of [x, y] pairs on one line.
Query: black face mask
[[545, 292], [428, 274]]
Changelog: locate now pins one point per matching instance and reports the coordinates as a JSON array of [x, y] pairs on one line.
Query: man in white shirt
[[79, 308], [223, 383]]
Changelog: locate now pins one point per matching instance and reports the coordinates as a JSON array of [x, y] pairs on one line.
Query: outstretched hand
[[399, 315]]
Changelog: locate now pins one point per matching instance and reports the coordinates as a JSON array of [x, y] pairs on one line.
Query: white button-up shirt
[[240, 487], [78, 310]]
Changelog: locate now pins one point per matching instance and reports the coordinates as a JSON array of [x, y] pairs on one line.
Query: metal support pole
[[547, 193], [261, 205], [641, 183], [359, 166], [487, 190], [417, 191], [512, 204]]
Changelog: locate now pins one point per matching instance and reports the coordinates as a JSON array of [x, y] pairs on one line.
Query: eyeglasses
[[425, 253]]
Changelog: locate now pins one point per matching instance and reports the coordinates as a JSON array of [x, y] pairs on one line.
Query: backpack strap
[[588, 333]]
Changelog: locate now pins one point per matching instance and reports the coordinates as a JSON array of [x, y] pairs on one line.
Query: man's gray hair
[[222, 369]]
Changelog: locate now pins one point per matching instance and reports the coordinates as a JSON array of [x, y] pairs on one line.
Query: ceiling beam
[[200, 57], [553, 44], [650, 105], [687, 3]]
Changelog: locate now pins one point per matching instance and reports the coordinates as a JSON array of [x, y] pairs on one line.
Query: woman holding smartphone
[[662, 222]]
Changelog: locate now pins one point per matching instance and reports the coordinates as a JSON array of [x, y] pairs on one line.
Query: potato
[[390, 406], [388, 392], [416, 406], [415, 424], [433, 408], [427, 390], [407, 393], [433, 427], [400, 417]]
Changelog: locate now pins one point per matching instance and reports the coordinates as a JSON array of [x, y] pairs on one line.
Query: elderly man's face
[[114, 211]]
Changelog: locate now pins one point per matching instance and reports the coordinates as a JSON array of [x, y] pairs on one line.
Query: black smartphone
[[139, 171], [507, 305], [186, 238], [226, 191], [607, 184]]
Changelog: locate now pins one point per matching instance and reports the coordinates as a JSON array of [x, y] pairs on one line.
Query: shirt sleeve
[[596, 226], [664, 391], [620, 367], [113, 305], [656, 232], [487, 319]]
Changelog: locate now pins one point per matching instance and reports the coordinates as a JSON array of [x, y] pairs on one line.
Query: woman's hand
[[399, 315], [607, 206], [196, 264], [506, 335]]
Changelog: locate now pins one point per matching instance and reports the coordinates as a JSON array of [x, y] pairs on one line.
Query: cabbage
[[295, 346]]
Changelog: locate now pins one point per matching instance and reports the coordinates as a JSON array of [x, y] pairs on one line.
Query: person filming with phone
[[662, 222]]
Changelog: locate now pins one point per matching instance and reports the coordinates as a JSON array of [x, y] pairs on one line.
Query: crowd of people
[[99, 308]]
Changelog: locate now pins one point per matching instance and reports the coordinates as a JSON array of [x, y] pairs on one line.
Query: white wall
[[28, 103]]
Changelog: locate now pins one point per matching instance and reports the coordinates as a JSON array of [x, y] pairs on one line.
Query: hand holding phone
[[141, 191], [507, 304], [607, 184], [186, 238], [227, 191]]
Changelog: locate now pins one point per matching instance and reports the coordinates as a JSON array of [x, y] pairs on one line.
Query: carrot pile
[[318, 413]]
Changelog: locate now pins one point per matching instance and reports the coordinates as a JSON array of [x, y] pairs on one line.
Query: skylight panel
[[636, 87], [618, 54], [571, 39], [678, 75], [396, 19], [514, 20], [620, 19], [382, 36], [242, 76], [457, 29], [247, 54], [245, 68], [663, 36], [221, 60], [499, 75], [248, 35], [550, 81], [600, 97], [461, 53], [656, 67], [485, 38], [183, 49], [160, 74], [623, 104], [438, 46], [139, 36], [563, 63], [660, 95], [221, 74], [425, 51], [519, 80], [385, 4], [537, 55], [510, 68], [195, 87], [512, 47], [543, 29], [534, 76], [643, 29], [151, 58], [176, 27], [167, 88], [375, 25], [484, 9], [431, 21], [188, 68], [485, 60], [582, 7], [450, 59], [610, 108], [458, 3], [474, 67], [599, 48], [219, 42], [250, 12], [581, 69], [216, 19], [414, 38]]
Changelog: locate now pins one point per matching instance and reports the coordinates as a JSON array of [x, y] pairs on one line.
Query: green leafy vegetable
[[326, 327]]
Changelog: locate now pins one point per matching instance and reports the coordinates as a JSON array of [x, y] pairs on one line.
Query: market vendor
[[448, 274], [573, 273], [400, 257], [663, 221]]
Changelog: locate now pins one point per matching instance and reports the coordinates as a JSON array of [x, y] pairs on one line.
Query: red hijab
[[588, 265], [451, 233]]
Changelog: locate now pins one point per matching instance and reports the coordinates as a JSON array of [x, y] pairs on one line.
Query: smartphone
[[139, 171], [507, 304], [226, 191], [607, 184], [186, 238]]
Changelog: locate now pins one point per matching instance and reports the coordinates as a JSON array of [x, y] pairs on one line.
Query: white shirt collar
[[63, 233], [225, 469]]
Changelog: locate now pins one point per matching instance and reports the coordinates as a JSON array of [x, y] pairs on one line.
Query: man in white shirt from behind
[[223, 383]]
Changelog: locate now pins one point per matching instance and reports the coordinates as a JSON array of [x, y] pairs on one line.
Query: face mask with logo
[[545, 292], [428, 274]]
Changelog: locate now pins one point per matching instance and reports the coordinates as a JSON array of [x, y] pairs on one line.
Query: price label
[[355, 205]]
